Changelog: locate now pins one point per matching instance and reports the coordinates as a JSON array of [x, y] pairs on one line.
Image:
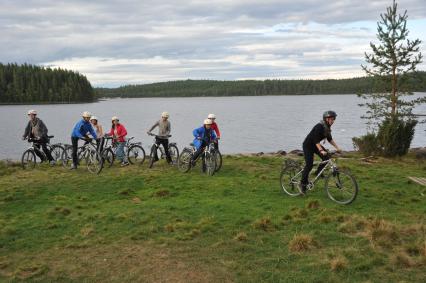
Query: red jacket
[[121, 133], [216, 129]]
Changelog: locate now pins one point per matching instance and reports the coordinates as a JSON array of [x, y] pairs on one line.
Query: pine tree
[[391, 62]]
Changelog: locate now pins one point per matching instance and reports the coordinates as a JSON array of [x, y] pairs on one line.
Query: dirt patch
[[116, 263]]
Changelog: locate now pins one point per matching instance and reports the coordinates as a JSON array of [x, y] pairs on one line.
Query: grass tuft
[[338, 263], [302, 243], [241, 237], [264, 224]]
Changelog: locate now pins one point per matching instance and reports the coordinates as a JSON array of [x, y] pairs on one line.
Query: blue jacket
[[82, 128], [201, 133]]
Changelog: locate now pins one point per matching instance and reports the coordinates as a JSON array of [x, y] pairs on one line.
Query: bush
[[395, 136], [367, 145]]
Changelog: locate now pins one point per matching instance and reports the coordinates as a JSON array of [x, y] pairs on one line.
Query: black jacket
[[319, 132], [42, 129]]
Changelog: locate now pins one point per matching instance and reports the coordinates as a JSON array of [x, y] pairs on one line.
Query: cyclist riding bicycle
[[164, 129], [203, 136], [37, 131], [118, 132], [81, 130], [99, 133], [312, 144], [215, 128]]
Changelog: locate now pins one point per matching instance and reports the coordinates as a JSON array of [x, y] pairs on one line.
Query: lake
[[248, 124]]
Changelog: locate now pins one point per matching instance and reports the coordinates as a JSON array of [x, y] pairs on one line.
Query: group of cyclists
[[89, 128], [89, 125]]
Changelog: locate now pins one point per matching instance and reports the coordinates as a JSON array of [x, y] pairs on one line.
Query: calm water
[[248, 124]]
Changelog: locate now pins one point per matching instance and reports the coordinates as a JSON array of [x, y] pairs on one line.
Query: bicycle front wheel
[[28, 160], [209, 164], [57, 151], [152, 156], [184, 163], [289, 180], [341, 187], [66, 156], [174, 154], [108, 156], [94, 162], [136, 154]]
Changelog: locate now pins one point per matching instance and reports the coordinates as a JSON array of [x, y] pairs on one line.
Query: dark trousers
[[74, 142], [42, 143], [100, 144], [309, 152], [199, 151], [165, 144]]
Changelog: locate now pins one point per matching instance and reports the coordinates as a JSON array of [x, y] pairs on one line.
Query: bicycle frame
[[330, 163]]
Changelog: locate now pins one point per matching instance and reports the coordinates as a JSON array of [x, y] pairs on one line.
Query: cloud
[[118, 42]]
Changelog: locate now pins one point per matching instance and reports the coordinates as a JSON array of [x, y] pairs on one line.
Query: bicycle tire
[[209, 164], [151, 156], [337, 183], [174, 154], [136, 154], [56, 151], [218, 160], [108, 156], [28, 159], [288, 184], [184, 161], [94, 162]]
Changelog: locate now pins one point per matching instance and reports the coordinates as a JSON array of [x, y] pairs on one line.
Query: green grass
[[135, 224]]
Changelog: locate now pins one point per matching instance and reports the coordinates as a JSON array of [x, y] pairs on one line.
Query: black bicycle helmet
[[328, 114]]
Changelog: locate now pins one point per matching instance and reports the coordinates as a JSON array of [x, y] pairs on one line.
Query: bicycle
[[173, 151], [340, 185], [134, 151], [208, 156], [29, 157], [87, 155]]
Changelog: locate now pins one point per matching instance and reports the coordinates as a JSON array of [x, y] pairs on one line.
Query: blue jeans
[[120, 152]]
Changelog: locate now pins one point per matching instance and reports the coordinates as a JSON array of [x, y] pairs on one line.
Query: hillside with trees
[[416, 83], [34, 84]]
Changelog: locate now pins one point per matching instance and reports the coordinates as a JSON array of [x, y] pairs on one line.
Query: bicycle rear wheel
[[289, 181], [174, 154], [218, 156], [136, 154], [94, 162], [209, 166], [341, 187], [28, 159], [184, 161]]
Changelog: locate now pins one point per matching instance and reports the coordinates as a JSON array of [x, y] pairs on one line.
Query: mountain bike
[[29, 157], [208, 157], [88, 156], [340, 185], [173, 151], [134, 151]]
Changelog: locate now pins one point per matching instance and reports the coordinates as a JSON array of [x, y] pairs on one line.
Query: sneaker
[[124, 164], [73, 167], [52, 163]]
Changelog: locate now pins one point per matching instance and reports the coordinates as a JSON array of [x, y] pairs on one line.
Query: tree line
[[416, 82], [34, 84]]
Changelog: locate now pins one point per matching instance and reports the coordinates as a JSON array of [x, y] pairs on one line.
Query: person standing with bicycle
[[118, 132], [215, 128], [312, 145], [37, 131], [81, 131], [99, 133], [203, 137], [164, 130]]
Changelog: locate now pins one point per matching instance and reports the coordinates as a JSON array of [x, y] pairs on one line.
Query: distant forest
[[34, 84], [415, 83]]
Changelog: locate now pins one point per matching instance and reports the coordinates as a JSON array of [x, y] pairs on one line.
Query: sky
[[123, 42]]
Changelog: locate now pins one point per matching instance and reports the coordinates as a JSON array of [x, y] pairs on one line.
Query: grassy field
[[135, 224]]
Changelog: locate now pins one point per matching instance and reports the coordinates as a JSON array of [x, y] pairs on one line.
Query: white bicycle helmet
[[32, 112], [211, 116], [208, 122], [165, 115], [86, 114]]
